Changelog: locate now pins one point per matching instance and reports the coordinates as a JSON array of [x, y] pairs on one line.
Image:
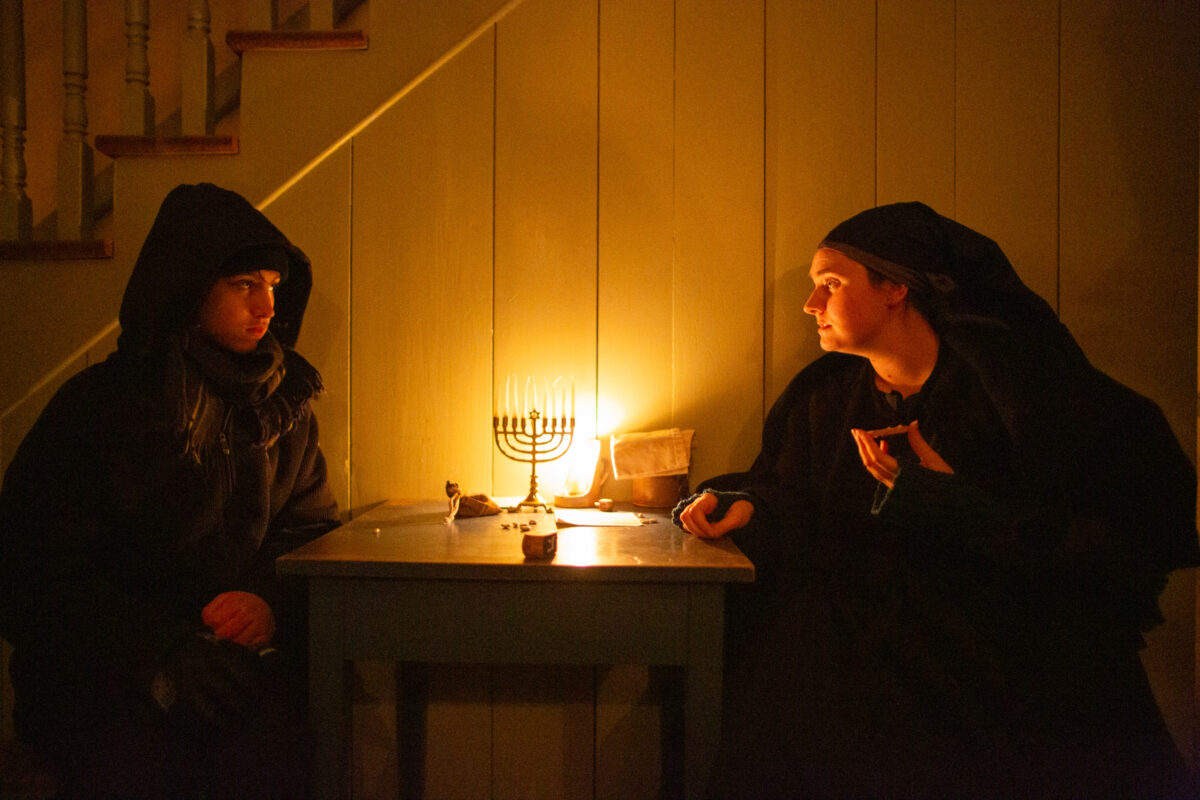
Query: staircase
[[292, 97]]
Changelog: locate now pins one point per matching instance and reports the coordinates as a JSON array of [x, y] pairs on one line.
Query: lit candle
[[507, 391], [572, 397], [528, 383]]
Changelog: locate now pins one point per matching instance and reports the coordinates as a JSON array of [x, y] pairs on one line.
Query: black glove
[[214, 679]]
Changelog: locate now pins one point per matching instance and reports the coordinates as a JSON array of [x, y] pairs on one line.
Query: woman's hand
[[884, 467], [241, 617], [695, 517]]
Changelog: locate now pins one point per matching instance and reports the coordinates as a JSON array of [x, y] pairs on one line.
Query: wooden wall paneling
[[1130, 81], [545, 214], [422, 302], [915, 105], [545, 326], [820, 159], [1006, 179], [542, 732], [636, 146], [718, 279], [457, 734], [315, 215], [422, 341], [1128, 232], [634, 326]]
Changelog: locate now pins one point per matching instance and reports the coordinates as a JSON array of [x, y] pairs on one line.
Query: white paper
[[594, 517]]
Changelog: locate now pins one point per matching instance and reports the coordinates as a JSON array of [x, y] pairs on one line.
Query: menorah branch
[[532, 439]]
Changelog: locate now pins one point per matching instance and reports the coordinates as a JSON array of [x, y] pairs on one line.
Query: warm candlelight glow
[[536, 433]]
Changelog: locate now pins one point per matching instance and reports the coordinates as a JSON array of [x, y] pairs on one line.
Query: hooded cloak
[[167, 474], [973, 634]]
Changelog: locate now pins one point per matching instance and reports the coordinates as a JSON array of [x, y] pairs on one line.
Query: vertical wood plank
[[1130, 82], [634, 326], [324, 340], [1130, 79], [820, 158], [545, 327], [458, 733], [1006, 183], [915, 106], [422, 303], [545, 215], [629, 746], [635, 217], [718, 278], [543, 730]]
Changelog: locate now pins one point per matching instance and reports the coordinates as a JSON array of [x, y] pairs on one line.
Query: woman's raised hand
[[695, 517], [873, 452]]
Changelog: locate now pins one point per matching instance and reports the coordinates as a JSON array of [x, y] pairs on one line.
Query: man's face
[[850, 309], [238, 308]]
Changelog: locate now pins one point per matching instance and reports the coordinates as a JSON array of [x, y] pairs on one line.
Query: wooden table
[[399, 583]]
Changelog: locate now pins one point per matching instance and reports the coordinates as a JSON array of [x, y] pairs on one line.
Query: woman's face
[[852, 311], [238, 309]]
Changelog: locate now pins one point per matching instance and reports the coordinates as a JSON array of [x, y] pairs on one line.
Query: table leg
[[702, 685], [328, 695]]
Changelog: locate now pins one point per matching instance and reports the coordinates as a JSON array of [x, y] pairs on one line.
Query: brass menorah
[[533, 439]]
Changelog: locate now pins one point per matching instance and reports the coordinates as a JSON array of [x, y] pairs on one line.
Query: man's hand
[[240, 617], [695, 517], [214, 679]]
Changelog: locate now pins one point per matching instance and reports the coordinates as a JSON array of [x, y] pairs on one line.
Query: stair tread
[[115, 145], [241, 41], [55, 250]]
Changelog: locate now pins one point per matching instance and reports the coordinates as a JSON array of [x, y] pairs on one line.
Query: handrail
[[53, 374]]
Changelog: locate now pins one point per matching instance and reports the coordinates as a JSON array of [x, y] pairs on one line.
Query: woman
[[961, 529], [156, 653]]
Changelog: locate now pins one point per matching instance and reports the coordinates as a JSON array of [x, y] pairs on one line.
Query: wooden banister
[[75, 213], [137, 104], [16, 211], [196, 72]]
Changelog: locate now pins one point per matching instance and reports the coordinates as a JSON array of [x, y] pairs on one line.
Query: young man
[[156, 653]]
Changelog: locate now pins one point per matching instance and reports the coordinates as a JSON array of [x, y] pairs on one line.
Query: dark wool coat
[[965, 635], [112, 540]]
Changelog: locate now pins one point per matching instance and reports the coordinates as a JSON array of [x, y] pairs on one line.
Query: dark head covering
[[203, 232], [963, 274], [1075, 431]]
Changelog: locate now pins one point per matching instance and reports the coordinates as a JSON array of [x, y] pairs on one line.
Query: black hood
[[197, 230]]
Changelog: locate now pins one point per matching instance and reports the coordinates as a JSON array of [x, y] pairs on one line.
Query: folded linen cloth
[[642, 455]]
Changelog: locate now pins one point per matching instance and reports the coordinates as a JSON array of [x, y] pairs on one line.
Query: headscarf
[[964, 274]]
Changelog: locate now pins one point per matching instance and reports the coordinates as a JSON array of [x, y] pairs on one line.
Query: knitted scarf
[[205, 383]]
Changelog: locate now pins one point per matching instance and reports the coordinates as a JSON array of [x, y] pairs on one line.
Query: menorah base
[[532, 502]]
